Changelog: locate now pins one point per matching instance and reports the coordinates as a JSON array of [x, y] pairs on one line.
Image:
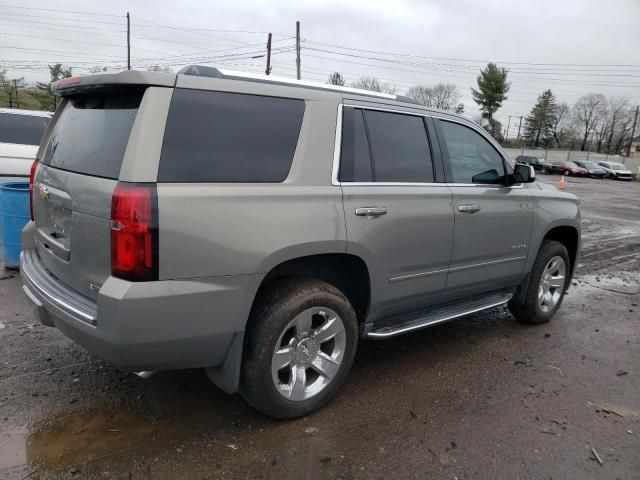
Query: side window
[[399, 147], [473, 159], [355, 160], [229, 137], [22, 129]]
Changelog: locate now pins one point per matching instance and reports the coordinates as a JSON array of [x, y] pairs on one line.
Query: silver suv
[[259, 227]]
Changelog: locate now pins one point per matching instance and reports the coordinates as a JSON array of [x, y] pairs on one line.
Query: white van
[[20, 135]]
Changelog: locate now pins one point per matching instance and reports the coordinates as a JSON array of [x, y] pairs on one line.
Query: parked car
[[616, 170], [569, 168], [20, 135], [595, 170], [538, 164], [239, 223]]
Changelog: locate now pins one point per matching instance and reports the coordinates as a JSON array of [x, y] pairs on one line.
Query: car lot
[[483, 397]]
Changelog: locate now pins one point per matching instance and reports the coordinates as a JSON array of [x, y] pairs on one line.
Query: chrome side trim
[[416, 275], [428, 323], [58, 301], [484, 264]]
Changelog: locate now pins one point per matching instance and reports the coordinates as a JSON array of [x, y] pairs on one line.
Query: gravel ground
[[481, 397]]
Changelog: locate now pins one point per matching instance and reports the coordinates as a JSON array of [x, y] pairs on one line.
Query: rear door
[[493, 221], [78, 171], [398, 218]]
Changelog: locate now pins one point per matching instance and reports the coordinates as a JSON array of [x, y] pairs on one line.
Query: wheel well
[[348, 273], [568, 236]]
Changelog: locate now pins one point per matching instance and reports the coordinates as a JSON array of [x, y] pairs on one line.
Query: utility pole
[[506, 137], [519, 125], [633, 130], [298, 50], [128, 42], [15, 84], [268, 69]]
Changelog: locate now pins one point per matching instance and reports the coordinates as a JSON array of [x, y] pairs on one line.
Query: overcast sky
[[570, 46]]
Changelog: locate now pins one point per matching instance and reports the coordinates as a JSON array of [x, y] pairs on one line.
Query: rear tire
[[300, 344], [548, 282]]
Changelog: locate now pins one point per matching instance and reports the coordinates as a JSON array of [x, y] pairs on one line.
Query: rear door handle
[[371, 211], [468, 208]]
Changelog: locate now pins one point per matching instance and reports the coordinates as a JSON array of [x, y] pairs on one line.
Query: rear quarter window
[[229, 137], [22, 129]]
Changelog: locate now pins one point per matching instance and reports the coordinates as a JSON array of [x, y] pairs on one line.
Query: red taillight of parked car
[[32, 176], [134, 232]]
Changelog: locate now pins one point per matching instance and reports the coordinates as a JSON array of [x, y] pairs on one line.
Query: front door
[[493, 221], [398, 219]]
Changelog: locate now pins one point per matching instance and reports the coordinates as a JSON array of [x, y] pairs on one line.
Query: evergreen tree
[[45, 95], [336, 78], [492, 91], [538, 126]]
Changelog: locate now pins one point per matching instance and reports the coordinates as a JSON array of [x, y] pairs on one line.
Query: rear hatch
[[73, 186]]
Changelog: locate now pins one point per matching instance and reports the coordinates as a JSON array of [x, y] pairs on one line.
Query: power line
[[81, 12]]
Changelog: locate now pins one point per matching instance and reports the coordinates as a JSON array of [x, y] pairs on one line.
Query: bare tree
[[618, 111], [559, 123], [373, 84], [444, 96], [6, 86], [587, 111], [158, 68]]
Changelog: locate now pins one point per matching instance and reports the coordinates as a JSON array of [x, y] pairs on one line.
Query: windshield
[[618, 166], [569, 164], [590, 165]]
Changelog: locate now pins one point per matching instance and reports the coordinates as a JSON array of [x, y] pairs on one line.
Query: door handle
[[370, 212], [468, 208]]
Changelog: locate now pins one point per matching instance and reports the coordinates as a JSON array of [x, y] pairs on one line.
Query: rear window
[[22, 129], [229, 137], [92, 133]]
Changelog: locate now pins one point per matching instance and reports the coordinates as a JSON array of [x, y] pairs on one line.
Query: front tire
[[547, 284], [300, 344]]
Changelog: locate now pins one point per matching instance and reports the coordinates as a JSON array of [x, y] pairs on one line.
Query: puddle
[[88, 437]]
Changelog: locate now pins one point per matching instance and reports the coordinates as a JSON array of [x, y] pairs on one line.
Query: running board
[[441, 315]]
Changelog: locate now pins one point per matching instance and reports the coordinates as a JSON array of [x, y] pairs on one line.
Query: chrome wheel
[[551, 284], [308, 354]]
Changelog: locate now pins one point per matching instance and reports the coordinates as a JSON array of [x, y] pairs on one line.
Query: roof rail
[[212, 72]]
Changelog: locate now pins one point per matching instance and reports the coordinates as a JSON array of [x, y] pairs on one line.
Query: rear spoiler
[[71, 85]]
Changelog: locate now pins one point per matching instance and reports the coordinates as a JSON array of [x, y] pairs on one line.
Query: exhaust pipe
[[145, 374]]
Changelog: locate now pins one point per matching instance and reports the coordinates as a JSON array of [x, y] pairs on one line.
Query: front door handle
[[370, 212], [468, 208]]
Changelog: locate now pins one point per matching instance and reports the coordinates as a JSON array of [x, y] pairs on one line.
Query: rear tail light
[[32, 176], [134, 232]]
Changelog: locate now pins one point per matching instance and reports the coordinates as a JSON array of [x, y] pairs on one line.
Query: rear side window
[[22, 129], [92, 132], [384, 147], [229, 137]]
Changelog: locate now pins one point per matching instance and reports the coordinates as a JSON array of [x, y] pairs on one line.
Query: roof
[[33, 113]]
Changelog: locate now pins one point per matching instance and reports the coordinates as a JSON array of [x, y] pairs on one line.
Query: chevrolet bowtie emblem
[[44, 193]]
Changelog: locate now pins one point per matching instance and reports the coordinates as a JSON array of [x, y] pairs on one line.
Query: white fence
[[632, 164]]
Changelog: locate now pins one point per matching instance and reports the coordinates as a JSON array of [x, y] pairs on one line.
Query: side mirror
[[523, 173]]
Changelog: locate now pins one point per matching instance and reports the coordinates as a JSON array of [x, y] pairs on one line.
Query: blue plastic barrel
[[14, 215]]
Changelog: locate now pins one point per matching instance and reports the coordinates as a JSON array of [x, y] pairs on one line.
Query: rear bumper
[[160, 325]]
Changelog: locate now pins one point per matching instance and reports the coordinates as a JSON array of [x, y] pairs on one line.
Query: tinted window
[[23, 129], [473, 159], [229, 137], [399, 147], [355, 161], [92, 133]]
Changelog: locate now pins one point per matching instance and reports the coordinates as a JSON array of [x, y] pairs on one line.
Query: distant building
[[635, 148]]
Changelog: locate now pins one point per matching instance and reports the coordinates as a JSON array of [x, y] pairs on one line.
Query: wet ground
[[481, 397]]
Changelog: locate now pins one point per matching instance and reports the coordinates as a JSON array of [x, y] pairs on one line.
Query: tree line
[[594, 122]]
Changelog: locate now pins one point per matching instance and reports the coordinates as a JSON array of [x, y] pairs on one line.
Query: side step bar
[[441, 315]]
